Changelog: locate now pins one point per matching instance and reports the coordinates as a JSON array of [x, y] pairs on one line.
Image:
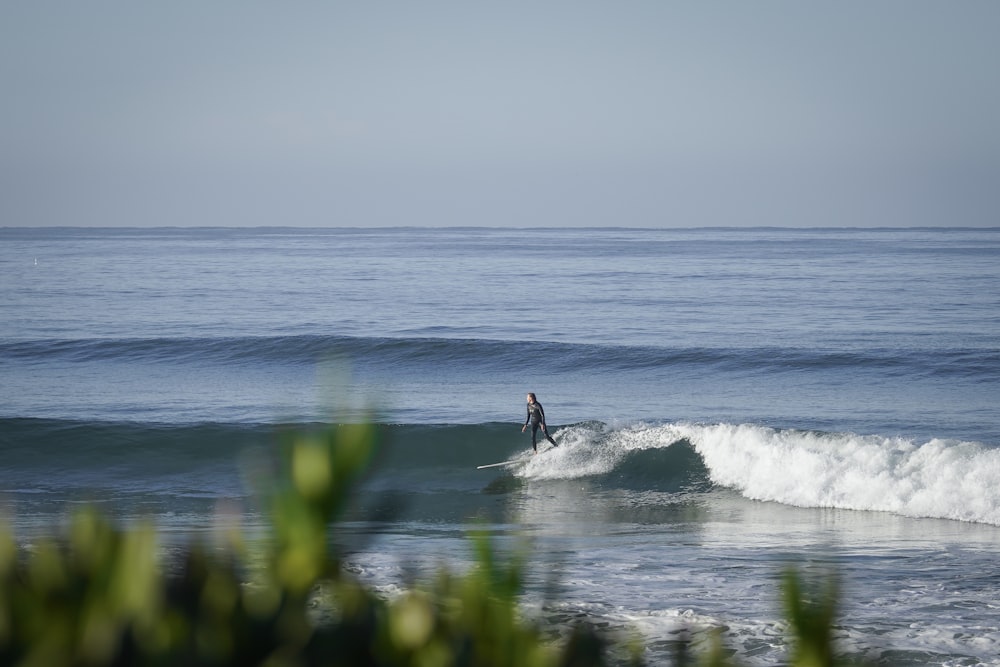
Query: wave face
[[55, 461]]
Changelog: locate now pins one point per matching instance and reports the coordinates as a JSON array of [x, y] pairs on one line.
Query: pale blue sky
[[645, 114]]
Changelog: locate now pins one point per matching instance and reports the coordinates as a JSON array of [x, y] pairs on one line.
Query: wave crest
[[939, 478]]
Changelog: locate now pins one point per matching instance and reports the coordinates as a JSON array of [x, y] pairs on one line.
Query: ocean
[[727, 402]]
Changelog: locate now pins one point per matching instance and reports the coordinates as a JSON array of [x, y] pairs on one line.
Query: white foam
[[584, 451], [939, 478]]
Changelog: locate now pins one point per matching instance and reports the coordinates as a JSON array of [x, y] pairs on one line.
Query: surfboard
[[520, 459], [502, 463]]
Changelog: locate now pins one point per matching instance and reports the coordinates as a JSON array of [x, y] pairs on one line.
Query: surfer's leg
[[534, 435], [545, 430]]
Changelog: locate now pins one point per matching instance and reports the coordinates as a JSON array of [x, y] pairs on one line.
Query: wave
[[417, 352], [937, 478]]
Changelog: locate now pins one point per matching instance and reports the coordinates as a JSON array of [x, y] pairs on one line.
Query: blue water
[[727, 401]]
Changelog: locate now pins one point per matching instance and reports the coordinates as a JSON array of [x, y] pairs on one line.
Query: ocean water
[[727, 402]]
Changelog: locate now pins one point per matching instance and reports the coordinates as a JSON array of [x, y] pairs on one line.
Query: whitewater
[[727, 402]]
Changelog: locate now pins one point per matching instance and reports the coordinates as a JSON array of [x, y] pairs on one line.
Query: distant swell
[[415, 352]]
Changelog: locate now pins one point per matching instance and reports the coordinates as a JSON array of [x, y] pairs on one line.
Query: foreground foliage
[[100, 596]]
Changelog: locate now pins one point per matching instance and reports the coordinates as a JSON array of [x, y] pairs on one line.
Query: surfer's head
[[531, 397]]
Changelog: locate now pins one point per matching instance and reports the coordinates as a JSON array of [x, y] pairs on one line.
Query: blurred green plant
[[811, 608], [101, 596]]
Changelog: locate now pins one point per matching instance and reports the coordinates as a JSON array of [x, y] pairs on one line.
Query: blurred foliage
[[101, 596], [811, 608]]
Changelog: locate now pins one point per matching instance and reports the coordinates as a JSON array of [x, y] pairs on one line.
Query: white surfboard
[[522, 459], [502, 463]]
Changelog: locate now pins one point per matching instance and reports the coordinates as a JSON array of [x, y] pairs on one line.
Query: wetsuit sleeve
[[528, 418], [541, 412]]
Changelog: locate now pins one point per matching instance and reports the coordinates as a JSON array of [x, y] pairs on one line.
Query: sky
[[513, 114]]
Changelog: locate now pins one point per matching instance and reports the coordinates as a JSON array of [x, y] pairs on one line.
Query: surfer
[[536, 415]]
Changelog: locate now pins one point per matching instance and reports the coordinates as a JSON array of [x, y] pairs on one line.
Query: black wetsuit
[[536, 415]]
